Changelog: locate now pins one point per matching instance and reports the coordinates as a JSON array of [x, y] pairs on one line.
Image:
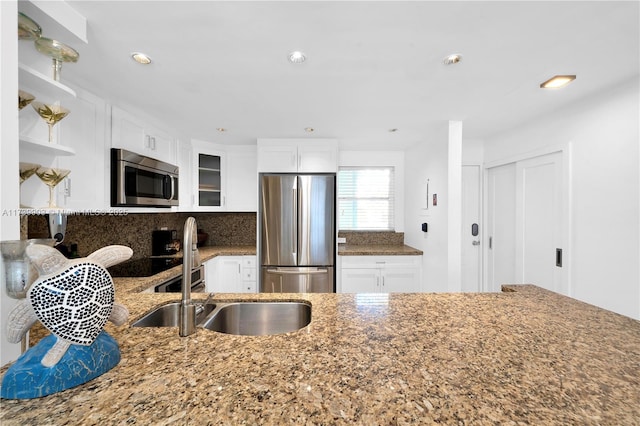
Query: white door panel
[[525, 223], [471, 248], [539, 206]]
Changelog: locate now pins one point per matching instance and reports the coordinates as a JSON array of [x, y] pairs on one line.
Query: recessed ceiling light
[[309, 129], [221, 129], [452, 59], [141, 58], [393, 130], [297, 57], [557, 82]]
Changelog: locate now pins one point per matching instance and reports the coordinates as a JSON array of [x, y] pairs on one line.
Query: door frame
[[565, 149]]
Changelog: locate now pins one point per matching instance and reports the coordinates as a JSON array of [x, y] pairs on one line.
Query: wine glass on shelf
[[24, 99], [26, 171], [51, 114], [58, 51], [51, 177]]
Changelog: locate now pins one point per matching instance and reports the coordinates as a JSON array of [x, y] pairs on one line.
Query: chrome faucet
[[190, 260]]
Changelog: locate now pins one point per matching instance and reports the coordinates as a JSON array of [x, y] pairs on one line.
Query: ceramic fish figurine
[[73, 299]]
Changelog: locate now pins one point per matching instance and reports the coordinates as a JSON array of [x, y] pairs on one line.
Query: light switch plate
[[342, 240]]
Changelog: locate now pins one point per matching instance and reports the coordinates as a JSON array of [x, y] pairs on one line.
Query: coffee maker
[[164, 242], [57, 226]]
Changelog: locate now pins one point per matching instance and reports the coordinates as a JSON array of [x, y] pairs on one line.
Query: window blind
[[366, 198]]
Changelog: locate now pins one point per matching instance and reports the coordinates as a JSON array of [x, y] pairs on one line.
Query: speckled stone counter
[[377, 250], [526, 356], [206, 253]]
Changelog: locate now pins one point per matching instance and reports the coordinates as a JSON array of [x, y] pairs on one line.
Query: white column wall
[[429, 160], [9, 154], [454, 206]]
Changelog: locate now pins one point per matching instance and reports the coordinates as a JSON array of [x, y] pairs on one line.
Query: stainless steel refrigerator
[[297, 243]]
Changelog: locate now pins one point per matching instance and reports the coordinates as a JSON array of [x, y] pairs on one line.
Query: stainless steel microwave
[[140, 181]]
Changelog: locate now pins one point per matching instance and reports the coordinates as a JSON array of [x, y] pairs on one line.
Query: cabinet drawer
[[350, 262], [248, 274], [248, 261], [249, 287]]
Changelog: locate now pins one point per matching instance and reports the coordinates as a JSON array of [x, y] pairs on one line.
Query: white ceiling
[[371, 66]]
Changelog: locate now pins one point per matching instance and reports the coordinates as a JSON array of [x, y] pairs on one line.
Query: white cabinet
[[297, 155], [87, 186], [249, 274], [132, 133], [224, 178], [242, 179], [231, 274], [209, 180], [381, 274]]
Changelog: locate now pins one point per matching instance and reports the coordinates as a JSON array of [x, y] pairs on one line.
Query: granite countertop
[[206, 253], [377, 250], [526, 356]]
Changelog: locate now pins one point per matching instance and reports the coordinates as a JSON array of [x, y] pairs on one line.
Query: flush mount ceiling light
[[297, 57], [557, 82], [452, 59], [141, 58]]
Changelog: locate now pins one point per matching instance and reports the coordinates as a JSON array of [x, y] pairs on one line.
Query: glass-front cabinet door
[[209, 180]]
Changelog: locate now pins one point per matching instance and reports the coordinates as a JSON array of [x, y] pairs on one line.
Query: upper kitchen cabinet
[[242, 179], [87, 185], [132, 133], [209, 179], [297, 155], [224, 177]]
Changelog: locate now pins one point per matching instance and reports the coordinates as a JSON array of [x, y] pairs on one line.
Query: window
[[365, 199]]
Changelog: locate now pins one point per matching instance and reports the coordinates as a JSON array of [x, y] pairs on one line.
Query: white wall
[[9, 153], [382, 158], [604, 181], [472, 152], [428, 160]]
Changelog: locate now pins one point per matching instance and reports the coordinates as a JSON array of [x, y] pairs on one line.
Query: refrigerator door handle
[[307, 271], [296, 229]]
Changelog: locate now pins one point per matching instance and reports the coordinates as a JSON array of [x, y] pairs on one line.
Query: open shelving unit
[[44, 146]]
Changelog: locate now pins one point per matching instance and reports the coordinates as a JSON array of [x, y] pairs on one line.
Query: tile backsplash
[[134, 230], [363, 238]]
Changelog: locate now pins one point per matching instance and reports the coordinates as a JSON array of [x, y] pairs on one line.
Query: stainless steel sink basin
[[244, 318], [258, 318], [168, 315]]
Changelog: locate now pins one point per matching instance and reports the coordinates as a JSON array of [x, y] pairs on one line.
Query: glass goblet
[[26, 171], [51, 177], [51, 114], [24, 99]]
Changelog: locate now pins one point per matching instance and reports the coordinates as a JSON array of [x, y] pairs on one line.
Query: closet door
[[539, 225], [526, 224]]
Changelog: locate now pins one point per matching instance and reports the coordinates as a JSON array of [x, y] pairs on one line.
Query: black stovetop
[[144, 267]]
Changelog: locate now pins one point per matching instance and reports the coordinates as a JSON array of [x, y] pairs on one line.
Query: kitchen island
[[523, 356]]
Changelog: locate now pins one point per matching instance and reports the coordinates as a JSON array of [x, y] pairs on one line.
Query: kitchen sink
[[243, 318], [168, 315], [258, 318]]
